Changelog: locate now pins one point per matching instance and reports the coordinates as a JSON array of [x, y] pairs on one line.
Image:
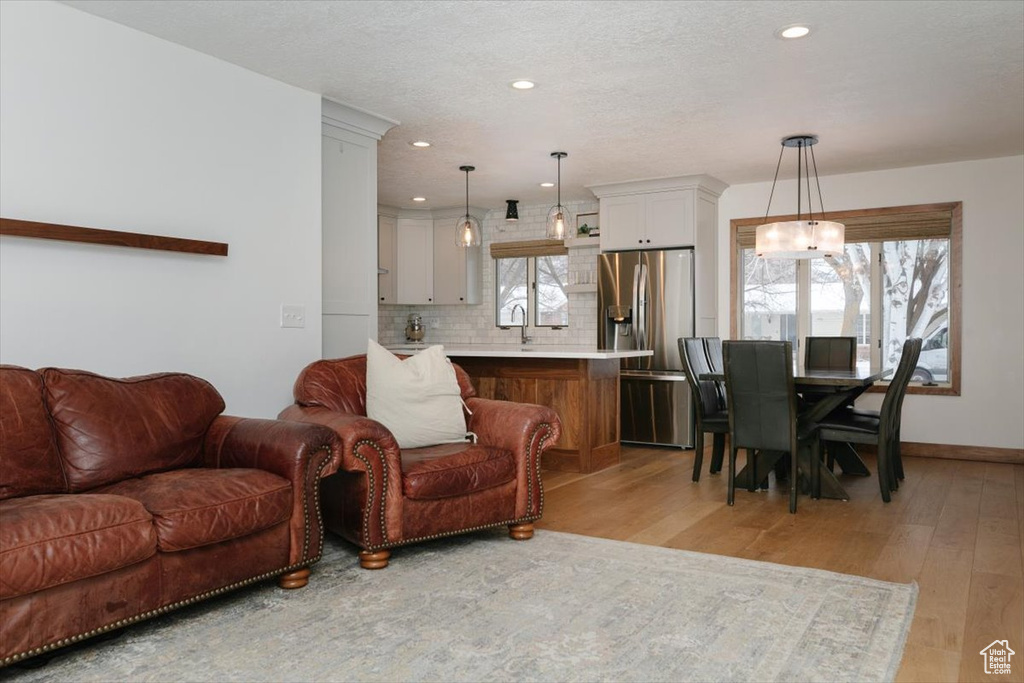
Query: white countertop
[[521, 351]]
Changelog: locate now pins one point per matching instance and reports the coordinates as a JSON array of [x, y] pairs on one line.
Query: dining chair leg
[[717, 452], [883, 470], [698, 453], [754, 480], [816, 469], [830, 455], [897, 458], [792, 482], [894, 480], [730, 496]]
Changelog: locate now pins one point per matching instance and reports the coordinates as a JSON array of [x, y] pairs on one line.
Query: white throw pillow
[[417, 399]]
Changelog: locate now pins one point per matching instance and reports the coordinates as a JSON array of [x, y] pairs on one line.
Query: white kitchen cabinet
[[457, 270], [648, 220], [386, 243], [414, 263]]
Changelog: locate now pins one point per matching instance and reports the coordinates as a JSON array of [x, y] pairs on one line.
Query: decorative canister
[[414, 328]]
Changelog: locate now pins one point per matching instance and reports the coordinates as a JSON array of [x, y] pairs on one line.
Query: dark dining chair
[[763, 414], [881, 428], [708, 406], [713, 347], [830, 353]]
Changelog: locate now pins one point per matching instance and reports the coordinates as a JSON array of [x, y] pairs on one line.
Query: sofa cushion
[[111, 429], [50, 540], [454, 470], [339, 384], [417, 399], [28, 451], [197, 507]]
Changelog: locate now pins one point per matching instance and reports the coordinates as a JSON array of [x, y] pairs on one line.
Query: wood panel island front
[[581, 384]]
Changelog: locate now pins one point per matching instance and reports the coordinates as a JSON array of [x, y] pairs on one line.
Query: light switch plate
[[293, 316]]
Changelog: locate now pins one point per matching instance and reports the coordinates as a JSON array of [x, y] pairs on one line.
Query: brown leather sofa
[[382, 496], [121, 499]]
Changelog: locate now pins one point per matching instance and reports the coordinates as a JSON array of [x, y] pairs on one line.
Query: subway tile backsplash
[[474, 324]]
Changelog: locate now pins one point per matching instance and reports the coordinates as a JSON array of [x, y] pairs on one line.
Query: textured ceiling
[[629, 89]]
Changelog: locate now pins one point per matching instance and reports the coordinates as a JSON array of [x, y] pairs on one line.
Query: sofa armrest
[[368, 449], [525, 429], [299, 453]]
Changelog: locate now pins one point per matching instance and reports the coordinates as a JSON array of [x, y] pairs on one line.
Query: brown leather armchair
[[383, 497]]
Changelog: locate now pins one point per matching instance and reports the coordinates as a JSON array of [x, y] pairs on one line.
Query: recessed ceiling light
[[523, 84], [419, 199], [547, 184], [793, 31], [420, 143]]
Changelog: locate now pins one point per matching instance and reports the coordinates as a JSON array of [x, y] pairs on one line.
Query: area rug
[[559, 607]]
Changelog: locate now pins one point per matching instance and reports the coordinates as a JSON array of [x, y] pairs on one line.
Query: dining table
[[832, 388]]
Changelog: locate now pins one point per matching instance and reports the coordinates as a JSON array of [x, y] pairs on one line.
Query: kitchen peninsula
[[580, 383]]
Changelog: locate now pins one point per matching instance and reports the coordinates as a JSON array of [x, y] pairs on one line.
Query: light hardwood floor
[[954, 527]]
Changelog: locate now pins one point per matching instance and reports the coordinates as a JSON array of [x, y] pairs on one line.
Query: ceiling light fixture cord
[[821, 202], [559, 180], [782, 150]]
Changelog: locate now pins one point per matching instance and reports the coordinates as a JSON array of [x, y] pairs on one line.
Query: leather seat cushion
[[197, 507], [851, 421], [454, 470], [54, 539]]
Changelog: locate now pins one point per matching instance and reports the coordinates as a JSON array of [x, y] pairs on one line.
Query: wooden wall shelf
[[116, 238]]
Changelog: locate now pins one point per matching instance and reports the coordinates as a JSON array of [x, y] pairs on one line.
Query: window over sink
[[538, 284]]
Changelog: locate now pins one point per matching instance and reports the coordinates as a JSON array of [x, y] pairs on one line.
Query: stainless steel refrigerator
[[645, 301]]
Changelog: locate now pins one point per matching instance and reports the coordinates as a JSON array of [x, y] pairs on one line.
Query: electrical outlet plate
[[293, 316]]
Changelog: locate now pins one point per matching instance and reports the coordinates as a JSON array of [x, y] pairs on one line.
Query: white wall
[[104, 126], [990, 409], [474, 324]]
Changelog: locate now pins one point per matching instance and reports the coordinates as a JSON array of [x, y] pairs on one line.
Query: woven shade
[[876, 225], [528, 248]]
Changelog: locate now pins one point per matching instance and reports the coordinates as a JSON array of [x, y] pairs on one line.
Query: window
[[533, 275], [897, 277], [535, 283]]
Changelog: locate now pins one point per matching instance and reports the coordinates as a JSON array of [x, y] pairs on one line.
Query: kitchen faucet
[[522, 329]]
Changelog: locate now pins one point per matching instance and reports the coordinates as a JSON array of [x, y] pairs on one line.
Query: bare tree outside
[[914, 286], [511, 287], [552, 298], [915, 299]]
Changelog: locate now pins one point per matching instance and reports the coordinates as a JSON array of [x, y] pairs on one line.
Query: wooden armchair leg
[[374, 560], [521, 532], [295, 579]]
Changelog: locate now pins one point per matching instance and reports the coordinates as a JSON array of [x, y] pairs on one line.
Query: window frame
[[533, 307], [950, 388]]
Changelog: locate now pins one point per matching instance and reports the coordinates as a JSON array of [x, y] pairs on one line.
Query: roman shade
[[932, 221], [527, 248]]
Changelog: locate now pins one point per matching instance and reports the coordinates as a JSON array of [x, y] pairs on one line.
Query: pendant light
[[800, 239], [559, 218], [467, 228], [512, 210]]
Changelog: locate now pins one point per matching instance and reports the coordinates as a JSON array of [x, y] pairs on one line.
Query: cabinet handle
[[639, 241], [429, 299], [382, 298], [648, 241], [461, 299]]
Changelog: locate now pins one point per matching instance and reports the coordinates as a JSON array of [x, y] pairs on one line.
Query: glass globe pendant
[[467, 228], [559, 218]]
